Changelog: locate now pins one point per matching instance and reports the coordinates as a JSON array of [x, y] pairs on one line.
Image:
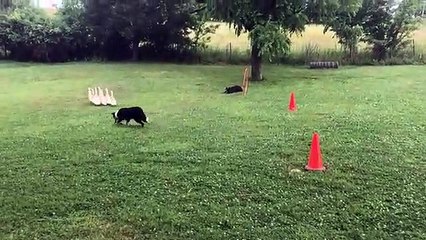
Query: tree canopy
[[269, 23], [177, 30]]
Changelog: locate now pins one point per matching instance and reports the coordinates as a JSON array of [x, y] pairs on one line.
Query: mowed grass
[[212, 166], [312, 36]]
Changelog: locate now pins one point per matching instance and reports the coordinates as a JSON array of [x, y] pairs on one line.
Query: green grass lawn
[[212, 166]]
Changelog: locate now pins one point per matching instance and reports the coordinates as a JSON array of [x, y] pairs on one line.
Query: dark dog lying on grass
[[233, 89], [135, 113]]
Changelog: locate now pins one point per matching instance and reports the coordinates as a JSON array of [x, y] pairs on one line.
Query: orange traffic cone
[[292, 104], [315, 158]]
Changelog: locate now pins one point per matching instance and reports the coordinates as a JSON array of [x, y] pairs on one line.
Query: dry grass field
[[312, 36]]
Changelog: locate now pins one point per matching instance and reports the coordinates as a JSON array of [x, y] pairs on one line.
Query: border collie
[[233, 89], [135, 113]]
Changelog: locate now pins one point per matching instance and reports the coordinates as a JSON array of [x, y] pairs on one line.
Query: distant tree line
[[109, 30], [176, 30], [385, 25]]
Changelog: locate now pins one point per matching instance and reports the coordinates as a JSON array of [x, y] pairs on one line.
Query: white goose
[[89, 94], [95, 98], [101, 96], [107, 97], [113, 101]]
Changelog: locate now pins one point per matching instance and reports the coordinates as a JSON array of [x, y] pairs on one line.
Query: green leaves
[[30, 34], [26, 25], [342, 20], [388, 29], [201, 30], [161, 23], [270, 38], [382, 24], [269, 23], [246, 15]]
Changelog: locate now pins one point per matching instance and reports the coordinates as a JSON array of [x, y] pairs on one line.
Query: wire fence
[[413, 51]]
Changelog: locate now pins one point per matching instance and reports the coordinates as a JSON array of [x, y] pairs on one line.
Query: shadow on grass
[[123, 125]]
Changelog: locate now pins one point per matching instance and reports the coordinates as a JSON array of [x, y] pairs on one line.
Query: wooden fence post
[[245, 81]]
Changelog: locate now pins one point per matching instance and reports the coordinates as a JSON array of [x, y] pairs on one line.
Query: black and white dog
[[233, 89], [135, 113]]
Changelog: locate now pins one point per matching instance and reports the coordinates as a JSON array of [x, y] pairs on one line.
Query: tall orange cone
[[292, 104], [315, 158]]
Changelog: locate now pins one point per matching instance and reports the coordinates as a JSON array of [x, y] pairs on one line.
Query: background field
[[211, 166], [313, 35]]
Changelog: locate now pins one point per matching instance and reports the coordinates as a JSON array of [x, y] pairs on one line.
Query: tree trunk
[[352, 52], [379, 52], [135, 50], [256, 64]]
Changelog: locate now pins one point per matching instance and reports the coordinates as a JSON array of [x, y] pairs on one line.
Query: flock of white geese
[[97, 97]]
